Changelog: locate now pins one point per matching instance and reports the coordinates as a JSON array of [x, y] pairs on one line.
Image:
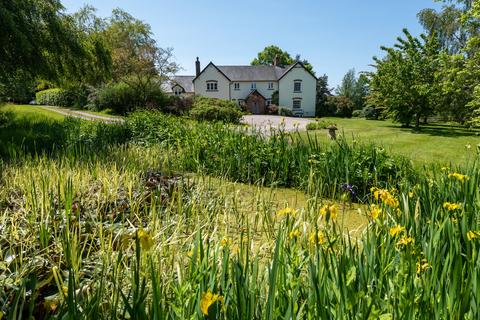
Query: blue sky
[[333, 35]]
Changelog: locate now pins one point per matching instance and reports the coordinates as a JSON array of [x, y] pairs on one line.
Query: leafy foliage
[[211, 109], [319, 124], [339, 106], [53, 97], [122, 98], [268, 55], [285, 112], [323, 92], [404, 81]]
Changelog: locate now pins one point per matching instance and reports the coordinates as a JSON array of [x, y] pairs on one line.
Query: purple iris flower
[[349, 189]]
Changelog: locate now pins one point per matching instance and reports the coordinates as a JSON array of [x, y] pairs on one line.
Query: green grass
[[36, 113], [433, 143]]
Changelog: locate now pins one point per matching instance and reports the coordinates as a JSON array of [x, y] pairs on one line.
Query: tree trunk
[[425, 120], [417, 121]]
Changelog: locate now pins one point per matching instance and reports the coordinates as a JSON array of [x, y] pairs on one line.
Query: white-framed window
[[253, 86], [212, 85], [297, 103], [236, 86], [270, 86], [297, 86]]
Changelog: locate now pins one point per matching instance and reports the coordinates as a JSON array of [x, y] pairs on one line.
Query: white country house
[[253, 86]]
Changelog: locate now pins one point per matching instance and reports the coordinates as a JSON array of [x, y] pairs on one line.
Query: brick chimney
[[276, 60], [197, 67]]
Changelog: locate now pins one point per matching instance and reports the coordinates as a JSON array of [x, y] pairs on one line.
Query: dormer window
[[212, 85], [236, 86], [297, 86], [270, 86], [177, 91], [254, 86]]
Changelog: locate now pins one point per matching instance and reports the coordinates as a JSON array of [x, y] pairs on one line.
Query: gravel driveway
[[265, 122], [82, 115]]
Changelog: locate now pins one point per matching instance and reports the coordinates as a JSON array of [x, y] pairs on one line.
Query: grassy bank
[[126, 221]]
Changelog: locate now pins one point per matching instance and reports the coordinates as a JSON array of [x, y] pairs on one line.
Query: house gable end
[[294, 66], [214, 66]]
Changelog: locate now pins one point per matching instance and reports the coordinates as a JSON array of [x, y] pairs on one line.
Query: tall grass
[[117, 234]]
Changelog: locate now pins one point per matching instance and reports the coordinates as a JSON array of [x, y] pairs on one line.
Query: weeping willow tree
[[39, 40]]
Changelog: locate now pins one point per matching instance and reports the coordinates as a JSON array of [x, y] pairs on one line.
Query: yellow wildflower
[[410, 194], [146, 240], [396, 230], [294, 234], [471, 235], [286, 212], [318, 237], [385, 196], [225, 242], [405, 240], [208, 299], [458, 176], [329, 211], [375, 211], [422, 266], [391, 202], [445, 168], [451, 206]]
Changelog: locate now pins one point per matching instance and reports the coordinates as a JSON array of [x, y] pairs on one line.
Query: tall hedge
[[54, 97]]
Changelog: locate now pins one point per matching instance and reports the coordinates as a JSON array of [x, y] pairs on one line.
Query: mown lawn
[[31, 112], [433, 143]]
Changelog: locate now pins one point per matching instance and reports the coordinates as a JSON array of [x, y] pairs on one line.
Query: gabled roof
[[186, 82], [255, 92], [253, 73], [211, 63], [293, 66]]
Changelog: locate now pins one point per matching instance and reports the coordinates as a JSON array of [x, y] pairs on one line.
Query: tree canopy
[[437, 73], [268, 54], [403, 82], [38, 39]]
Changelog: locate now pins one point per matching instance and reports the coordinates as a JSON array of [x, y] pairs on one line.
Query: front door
[[255, 108]]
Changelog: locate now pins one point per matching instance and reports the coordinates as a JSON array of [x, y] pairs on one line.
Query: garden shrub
[[358, 114], [272, 109], [179, 105], [319, 124], [212, 109], [370, 113], [123, 98], [119, 97], [55, 97], [340, 106], [285, 112]]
